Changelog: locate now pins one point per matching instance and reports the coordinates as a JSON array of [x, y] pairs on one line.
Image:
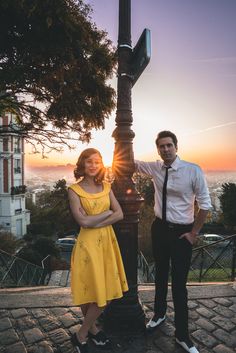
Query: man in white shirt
[[178, 184]]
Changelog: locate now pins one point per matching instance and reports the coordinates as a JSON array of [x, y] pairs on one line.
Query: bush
[[36, 251], [46, 246], [145, 239], [30, 255], [8, 242], [228, 205], [58, 264]]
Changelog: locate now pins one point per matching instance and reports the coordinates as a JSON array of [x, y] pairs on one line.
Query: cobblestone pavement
[[42, 321]]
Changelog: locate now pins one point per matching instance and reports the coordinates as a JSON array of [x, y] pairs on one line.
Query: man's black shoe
[[82, 347], [187, 344]]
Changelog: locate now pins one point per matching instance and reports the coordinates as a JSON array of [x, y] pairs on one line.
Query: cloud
[[220, 60], [212, 128], [218, 126]]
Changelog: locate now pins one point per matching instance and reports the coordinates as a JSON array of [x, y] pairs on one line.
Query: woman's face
[[93, 165]]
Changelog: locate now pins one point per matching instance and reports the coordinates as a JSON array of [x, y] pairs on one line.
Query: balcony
[[16, 190], [18, 211], [17, 170], [11, 129]]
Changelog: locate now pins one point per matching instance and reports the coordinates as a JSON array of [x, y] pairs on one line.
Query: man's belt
[[176, 226]]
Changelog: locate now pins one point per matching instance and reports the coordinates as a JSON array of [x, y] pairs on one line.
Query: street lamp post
[[126, 314]]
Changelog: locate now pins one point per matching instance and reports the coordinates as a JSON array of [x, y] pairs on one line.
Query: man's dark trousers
[[168, 247]]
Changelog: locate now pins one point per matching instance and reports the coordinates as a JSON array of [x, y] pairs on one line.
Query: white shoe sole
[[193, 349], [152, 324]]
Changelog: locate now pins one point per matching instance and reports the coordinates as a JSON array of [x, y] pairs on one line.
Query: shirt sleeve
[[144, 167], [201, 191]]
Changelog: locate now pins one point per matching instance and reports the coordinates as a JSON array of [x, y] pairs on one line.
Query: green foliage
[[145, 223], [44, 227], [30, 255], [38, 249], [51, 214], [145, 186], [213, 275], [46, 246], [54, 67], [228, 204], [8, 242]]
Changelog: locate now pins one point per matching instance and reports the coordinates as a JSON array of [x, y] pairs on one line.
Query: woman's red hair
[[79, 171]]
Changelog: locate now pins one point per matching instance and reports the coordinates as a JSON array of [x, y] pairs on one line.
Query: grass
[[212, 275]]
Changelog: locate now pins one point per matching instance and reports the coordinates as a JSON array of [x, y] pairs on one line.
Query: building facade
[[13, 215]]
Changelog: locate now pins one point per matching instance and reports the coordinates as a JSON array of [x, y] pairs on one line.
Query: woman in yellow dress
[[97, 271]]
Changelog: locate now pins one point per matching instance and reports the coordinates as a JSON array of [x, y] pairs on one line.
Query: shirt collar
[[175, 165]]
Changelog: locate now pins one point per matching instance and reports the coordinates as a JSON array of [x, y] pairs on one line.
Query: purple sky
[[189, 86]]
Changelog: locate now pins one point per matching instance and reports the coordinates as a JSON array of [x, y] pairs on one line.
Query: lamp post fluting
[[125, 314]]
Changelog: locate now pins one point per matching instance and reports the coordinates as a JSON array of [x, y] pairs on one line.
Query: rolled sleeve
[[201, 191], [143, 167]]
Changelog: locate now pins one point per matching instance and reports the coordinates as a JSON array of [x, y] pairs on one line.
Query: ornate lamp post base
[[125, 316]]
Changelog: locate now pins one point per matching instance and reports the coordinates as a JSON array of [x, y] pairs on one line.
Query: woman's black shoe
[[100, 340], [81, 347]]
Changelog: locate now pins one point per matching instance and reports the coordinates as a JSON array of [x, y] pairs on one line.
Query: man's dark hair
[[166, 133]]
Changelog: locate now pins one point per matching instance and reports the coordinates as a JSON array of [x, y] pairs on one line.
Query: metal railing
[[214, 262], [16, 190], [17, 170], [16, 272], [210, 263], [145, 267]]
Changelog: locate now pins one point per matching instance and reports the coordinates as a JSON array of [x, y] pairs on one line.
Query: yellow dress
[[97, 271]]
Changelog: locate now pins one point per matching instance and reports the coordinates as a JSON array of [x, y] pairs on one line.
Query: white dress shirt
[[186, 182]]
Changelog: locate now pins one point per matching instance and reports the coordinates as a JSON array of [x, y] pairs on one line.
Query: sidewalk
[[41, 320]]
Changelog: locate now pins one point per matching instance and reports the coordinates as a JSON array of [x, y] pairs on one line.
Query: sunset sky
[[189, 86]]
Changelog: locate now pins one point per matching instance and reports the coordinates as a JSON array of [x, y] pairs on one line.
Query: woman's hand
[[115, 215]]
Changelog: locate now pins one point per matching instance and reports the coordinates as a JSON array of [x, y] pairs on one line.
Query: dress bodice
[[93, 203]]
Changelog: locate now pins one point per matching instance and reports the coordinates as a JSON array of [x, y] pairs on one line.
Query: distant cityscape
[[215, 179], [44, 178]]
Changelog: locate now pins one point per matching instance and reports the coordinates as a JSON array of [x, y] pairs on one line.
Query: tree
[[54, 67], [46, 246], [52, 212], [145, 186], [8, 242], [30, 255], [37, 250], [228, 204]]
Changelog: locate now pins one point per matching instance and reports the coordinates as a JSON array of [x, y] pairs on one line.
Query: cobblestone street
[[42, 321]]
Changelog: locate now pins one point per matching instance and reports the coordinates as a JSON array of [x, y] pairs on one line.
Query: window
[[17, 146], [17, 166], [5, 144], [18, 206]]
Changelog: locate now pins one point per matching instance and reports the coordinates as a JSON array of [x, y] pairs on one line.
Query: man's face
[[167, 150]]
